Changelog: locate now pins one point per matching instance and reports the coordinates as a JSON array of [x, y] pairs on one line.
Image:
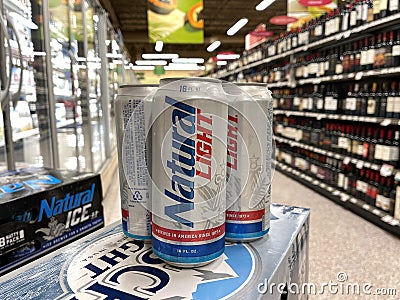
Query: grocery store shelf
[[352, 76], [336, 38], [355, 161], [319, 116], [32, 132], [368, 212]]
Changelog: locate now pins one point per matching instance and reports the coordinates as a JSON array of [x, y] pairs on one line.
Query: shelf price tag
[[344, 197], [397, 176], [358, 76], [360, 164], [346, 161], [394, 222], [386, 170], [376, 212], [366, 206], [386, 122], [387, 219]]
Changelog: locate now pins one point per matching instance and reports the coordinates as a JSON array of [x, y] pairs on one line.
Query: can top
[[166, 80], [136, 89]]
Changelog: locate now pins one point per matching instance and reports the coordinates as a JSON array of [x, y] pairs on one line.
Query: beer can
[[249, 158], [132, 117], [189, 171]]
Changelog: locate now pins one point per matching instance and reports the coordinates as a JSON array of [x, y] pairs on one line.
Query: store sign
[[257, 36], [117, 267], [314, 2], [282, 20], [175, 21]]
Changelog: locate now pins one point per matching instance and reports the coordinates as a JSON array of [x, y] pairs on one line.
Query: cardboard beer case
[[109, 265], [42, 209]]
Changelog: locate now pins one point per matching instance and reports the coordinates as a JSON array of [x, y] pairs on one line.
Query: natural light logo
[[340, 286]]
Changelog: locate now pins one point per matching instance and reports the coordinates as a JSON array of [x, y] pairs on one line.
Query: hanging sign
[[314, 2], [175, 21], [282, 20], [257, 36]]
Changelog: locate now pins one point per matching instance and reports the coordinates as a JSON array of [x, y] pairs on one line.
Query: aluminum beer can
[[132, 117], [249, 153], [189, 171]]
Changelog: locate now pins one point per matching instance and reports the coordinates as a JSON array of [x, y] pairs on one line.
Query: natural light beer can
[[132, 117], [189, 171], [249, 152]]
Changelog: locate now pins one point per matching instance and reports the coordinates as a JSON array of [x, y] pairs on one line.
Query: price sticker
[[386, 170], [367, 165]]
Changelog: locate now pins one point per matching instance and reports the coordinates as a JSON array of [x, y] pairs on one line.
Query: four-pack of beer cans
[[195, 165]]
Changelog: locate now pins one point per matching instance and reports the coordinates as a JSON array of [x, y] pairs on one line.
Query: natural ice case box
[[42, 209]]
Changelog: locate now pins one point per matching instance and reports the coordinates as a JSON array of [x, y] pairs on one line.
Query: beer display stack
[[195, 163], [336, 89]]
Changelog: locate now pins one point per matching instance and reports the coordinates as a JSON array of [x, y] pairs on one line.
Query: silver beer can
[[189, 171], [249, 161], [132, 117]]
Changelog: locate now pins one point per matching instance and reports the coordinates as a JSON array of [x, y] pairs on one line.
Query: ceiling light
[[159, 55], [151, 62], [227, 56], [188, 60], [238, 25], [182, 67], [143, 68], [213, 46], [159, 45], [222, 62], [264, 4]]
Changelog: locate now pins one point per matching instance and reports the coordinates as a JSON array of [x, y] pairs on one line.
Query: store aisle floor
[[340, 241]]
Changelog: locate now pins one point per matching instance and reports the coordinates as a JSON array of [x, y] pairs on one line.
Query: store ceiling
[[131, 18]]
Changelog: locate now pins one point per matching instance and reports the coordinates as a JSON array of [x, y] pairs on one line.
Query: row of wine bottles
[[348, 15], [373, 144], [357, 180], [373, 99]]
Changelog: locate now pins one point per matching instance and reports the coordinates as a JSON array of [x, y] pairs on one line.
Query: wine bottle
[[371, 105], [371, 54], [393, 7], [394, 151], [389, 49], [364, 55], [382, 94], [383, 8], [376, 9], [396, 106]]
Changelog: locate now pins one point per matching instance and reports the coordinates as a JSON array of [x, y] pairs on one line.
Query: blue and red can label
[[189, 171]]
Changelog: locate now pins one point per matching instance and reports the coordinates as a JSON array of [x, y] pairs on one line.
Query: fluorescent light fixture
[[79, 58], [182, 67], [264, 4], [117, 62], [151, 62], [227, 56], [213, 46], [238, 25], [159, 55], [188, 60], [38, 53], [222, 62], [159, 45], [143, 68]]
